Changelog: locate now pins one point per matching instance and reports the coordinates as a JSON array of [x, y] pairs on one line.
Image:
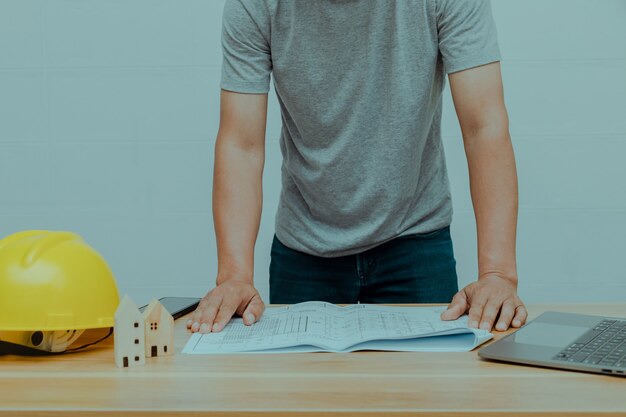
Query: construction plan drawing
[[317, 326]]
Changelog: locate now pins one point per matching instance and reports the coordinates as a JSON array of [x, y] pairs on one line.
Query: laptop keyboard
[[604, 345]]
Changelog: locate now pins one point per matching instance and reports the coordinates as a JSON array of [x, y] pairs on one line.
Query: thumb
[[253, 311], [457, 307]]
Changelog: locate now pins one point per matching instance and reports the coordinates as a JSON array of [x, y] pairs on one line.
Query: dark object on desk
[[8, 348], [177, 306], [566, 341]]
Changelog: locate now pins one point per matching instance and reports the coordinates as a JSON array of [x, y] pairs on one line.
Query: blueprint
[[318, 326]]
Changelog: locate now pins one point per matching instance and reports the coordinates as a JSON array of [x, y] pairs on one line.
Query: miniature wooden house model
[[129, 335], [159, 330]]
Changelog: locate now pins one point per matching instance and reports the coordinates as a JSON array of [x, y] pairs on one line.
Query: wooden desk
[[363, 383]]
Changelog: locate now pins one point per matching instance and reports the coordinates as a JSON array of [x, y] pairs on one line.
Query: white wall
[[109, 110]]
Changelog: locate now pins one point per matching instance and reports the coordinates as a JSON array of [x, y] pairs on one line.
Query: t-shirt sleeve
[[467, 34], [247, 60]]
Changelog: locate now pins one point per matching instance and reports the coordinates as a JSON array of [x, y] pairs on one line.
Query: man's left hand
[[491, 297]]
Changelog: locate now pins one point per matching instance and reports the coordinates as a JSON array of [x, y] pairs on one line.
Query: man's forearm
[[493, 183], [237, 205]]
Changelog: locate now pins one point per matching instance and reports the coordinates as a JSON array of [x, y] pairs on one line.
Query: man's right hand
[[222, 302]]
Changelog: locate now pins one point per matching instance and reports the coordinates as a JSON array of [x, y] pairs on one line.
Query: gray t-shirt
[[359, 84]]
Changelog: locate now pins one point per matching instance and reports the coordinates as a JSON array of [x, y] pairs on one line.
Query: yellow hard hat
[[53, 283]]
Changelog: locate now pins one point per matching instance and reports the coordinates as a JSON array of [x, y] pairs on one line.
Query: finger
[[475, 312], [227, 309], [457, 307], [254, 310], [506, 315], [197, 314], [490, 312], [195, 317], [521, 314], [189, 322], [205, 322]]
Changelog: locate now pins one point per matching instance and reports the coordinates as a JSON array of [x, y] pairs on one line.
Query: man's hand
[[490, 295], [222, 302]]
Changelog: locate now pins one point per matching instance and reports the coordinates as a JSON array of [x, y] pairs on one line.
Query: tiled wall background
[[109, 112]]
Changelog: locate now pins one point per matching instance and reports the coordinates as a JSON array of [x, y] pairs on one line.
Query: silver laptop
[[566, 341]]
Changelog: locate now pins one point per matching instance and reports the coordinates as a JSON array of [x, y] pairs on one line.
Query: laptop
[[566, 341]]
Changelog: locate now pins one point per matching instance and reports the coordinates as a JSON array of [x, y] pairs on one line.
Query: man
[[365, 206]]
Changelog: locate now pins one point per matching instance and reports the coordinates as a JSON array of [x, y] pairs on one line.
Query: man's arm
[[237, 204], [479, 103]]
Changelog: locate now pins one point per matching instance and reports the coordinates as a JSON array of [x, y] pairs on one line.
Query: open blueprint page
[[318, 326]]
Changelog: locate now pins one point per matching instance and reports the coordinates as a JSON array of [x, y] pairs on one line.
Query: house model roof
[[156, 312], [128, 309]]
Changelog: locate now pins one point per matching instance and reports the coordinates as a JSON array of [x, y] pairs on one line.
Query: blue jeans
[[418, 268]]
